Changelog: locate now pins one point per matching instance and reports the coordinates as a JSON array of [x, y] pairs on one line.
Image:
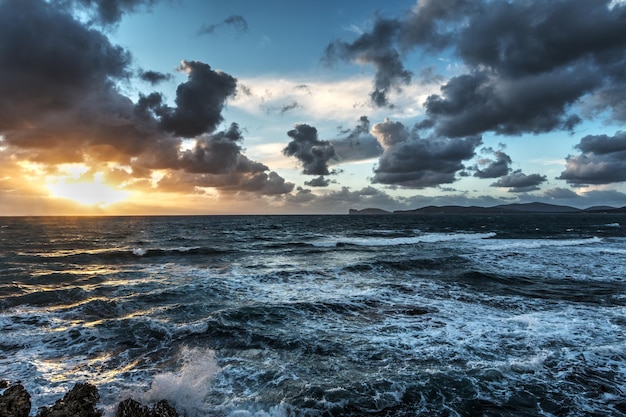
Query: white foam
[[187, 388], [501, 244], [409, 240], [139, 251]]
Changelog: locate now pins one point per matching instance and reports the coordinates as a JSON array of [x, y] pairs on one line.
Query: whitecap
[[539, 243], [409, 240], [186, 388], [139, 251]]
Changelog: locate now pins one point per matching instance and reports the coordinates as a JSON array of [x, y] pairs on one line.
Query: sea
[[345, 315]]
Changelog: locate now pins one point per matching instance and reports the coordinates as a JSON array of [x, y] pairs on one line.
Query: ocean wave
[[508, 244], [121, 253], [396, 241]]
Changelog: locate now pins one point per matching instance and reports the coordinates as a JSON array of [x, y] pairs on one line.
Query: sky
[[137, 107]]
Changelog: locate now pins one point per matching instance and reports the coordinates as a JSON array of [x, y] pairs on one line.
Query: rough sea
[[431, 315]]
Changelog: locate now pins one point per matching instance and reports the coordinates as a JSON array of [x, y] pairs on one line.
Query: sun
[[93, 193]]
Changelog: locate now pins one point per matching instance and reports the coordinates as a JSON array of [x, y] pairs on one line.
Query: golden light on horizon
[[94, 193]]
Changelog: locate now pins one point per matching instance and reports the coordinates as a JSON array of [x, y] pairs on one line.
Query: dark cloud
[[610, 99], [518, 182], [376, 48], [602, 160], [59, 94], [359, 144], [560, 193], [59, 103], [199, 101], [610, 197], [517, 39], [414, 162], [493, 168], [318, 182], [302, 196], [105, 12], [219, 153], [314, 154], [238, 22], [154, 77], [430, 24], [289, 107], [479, 102], [528, 62], [342, 200], [260, 183]]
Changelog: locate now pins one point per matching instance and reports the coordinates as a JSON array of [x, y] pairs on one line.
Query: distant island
[[501, 209]]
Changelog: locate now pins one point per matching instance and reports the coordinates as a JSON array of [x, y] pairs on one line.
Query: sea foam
[[185, 388]]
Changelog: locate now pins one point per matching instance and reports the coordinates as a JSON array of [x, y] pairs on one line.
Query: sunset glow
[[87, 193], [208, 107]]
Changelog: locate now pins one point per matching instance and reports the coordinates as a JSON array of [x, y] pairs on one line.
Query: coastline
[[81, 401]]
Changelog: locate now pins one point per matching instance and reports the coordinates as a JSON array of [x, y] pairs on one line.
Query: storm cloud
[[199, 101], [602, 160], [376, 48], [518, 182], [413, 162], [106, 12], [60, 104], [59, 94], [527, 64], [358, 144], [495, 167], [318, 182], [312, 153], [154, 77]]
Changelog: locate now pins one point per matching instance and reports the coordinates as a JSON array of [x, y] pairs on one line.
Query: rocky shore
[[80, 401]]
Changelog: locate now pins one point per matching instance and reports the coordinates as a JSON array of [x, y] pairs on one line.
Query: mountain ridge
[[516, 208]]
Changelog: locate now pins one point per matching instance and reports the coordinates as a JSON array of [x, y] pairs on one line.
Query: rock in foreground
[[80, 401], [131, 408], [15, 402]]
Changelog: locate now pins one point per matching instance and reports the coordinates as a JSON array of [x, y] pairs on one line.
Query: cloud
[[60, 104], [199, 101], [154, 77], [493, 168], [358, 145], [375, 48], [602, 160], [312, 153], [105, 12], [518, 182], [318, 182], [288, 107], [340, 201], [59, 98], [480, 102], [337, 99], [520, 74], [561, 193], [414, 162], [219, 153], [238, 22]]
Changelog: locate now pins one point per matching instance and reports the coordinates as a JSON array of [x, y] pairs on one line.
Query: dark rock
[[163, 409], [3, 384], [79, 402], [15, 402], [132, 408]]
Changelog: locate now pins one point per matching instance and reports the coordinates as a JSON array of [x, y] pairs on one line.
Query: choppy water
[[519, 315]]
